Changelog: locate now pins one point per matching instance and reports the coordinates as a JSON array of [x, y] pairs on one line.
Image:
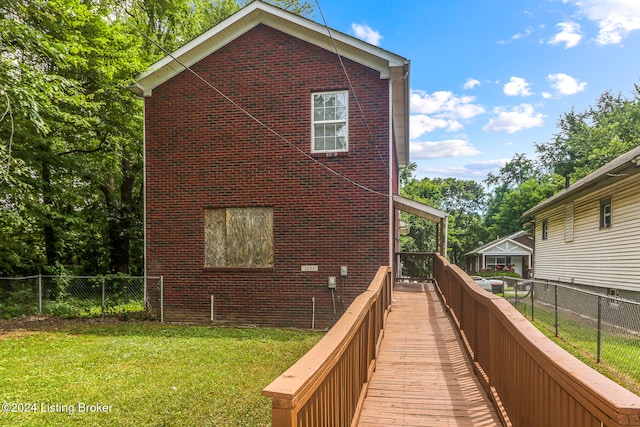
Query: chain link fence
[[600, 328], [118, 296]]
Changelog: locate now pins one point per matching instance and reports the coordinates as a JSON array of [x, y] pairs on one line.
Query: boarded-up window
[[238, 237]]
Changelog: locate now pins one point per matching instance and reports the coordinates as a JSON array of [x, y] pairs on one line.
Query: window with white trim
[[605, 213], [330, 128], [496, 262]]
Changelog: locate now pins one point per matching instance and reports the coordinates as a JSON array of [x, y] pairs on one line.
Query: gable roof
[[511, 238], [614, 171], [389, 65]]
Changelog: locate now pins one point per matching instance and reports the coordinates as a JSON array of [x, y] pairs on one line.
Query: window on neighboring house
[[330, 129], [238, 237], [605, 213], [545, 229], [496, 262]]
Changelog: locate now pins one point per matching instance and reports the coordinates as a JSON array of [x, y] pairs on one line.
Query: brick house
[[268, 170]]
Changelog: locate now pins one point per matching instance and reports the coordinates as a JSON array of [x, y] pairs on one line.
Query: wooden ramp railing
[[532, 380], [326, 386]]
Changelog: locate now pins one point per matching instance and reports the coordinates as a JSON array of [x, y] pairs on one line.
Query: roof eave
[[614, 171], [257, 13]]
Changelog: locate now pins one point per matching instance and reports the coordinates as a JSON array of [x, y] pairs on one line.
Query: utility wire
[[355, 95], [254, 118]]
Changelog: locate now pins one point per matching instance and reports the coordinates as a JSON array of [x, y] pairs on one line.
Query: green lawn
[[619, 354], [143, 374]]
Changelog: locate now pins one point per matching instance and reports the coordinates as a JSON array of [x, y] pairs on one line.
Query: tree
[[589, 140], [464, 202], [71, 133]]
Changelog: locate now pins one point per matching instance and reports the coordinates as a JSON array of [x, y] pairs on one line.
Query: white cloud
[[526, 33], [476, 170], [471, 83], [565, 84], [569, 35], [517, 86], [444, 104], [546, 95], [421, 124], [518, 118], [440, 110], [366, 33], [615, 18], [518, 36], [440, 149]]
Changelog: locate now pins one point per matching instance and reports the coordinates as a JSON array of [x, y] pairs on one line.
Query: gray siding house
[[589, 233]]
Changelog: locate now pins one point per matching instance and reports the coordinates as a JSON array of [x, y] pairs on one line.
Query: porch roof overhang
[[418, 209]]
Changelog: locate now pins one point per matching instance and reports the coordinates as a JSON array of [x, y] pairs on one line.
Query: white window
[[605, 213], [545, 229], [330, 130], [496, 262]]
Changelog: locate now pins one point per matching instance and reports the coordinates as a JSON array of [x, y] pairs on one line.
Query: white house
[[589, 233], [514, 250]]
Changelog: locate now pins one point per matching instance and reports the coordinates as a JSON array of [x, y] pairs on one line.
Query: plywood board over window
[[238, 237]]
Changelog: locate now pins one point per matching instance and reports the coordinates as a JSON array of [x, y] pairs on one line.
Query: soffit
[[418, 209]]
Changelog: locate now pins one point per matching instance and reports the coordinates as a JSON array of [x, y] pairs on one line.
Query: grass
[[619, 354], [147, 374]]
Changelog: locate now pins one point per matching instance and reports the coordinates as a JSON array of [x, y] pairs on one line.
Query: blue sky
[[491, 78]]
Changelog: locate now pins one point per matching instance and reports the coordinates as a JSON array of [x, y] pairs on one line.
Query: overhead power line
[[248, 114]]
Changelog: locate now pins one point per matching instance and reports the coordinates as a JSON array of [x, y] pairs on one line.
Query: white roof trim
[[509, 238], [389, 65], [251, 16], [488, 249]]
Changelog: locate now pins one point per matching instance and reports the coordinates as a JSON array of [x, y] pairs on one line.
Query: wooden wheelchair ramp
[[422, 375]]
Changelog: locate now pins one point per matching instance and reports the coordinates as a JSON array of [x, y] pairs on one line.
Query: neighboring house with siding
[[272, 168], [512, 252], [589, 233]]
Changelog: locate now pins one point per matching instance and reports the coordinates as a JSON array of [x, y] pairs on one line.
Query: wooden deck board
[[422, 376]]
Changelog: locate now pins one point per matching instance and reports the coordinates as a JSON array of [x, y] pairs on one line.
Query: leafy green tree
[[464, 202], [71, 133], [589, 140]]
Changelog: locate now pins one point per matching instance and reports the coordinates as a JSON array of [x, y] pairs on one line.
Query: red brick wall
[[201, 151]]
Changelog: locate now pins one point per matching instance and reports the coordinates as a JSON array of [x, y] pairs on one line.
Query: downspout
[[393, 160], [391, 210], [144, 188]]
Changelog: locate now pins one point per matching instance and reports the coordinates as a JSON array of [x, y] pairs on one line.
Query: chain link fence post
[[599, 354], [533, 293], [161, 299], [556, 321], [40, 294]]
